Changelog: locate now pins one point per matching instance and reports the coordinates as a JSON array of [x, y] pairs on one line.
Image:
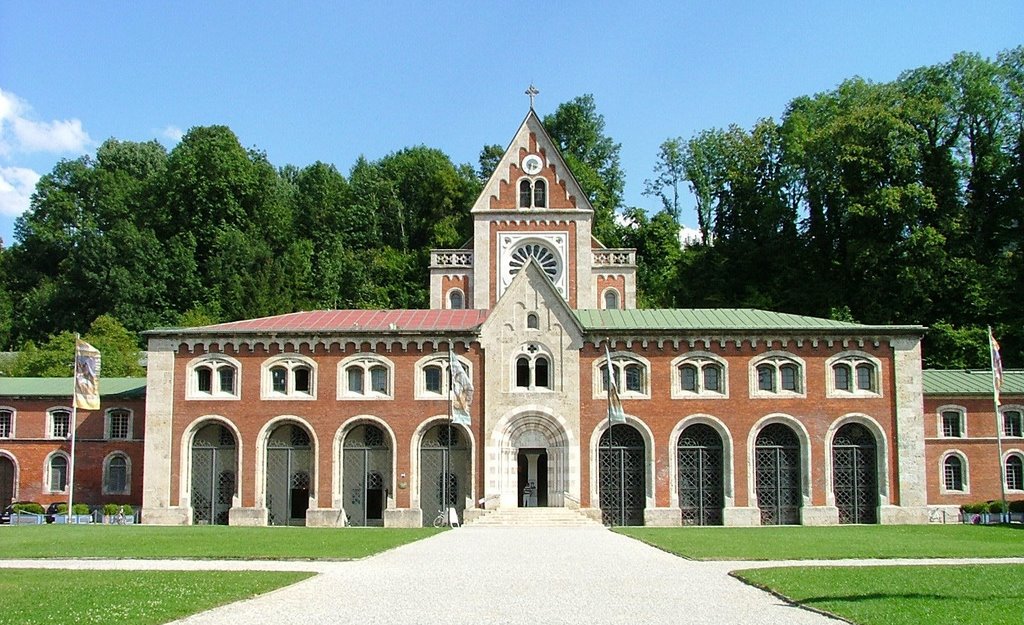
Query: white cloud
[[20, 133], [173, 133], [16, 187]]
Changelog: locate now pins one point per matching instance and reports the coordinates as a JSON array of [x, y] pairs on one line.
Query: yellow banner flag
[[87, 376]]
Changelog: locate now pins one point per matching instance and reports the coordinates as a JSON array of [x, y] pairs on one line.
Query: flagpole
[[72, 425], [448, 452], [992, 355], [608, 395]]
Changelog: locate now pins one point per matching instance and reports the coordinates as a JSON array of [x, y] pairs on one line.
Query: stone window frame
[[452, 292], [216, 363], [48, 471], [533, 352], [7, 430], [965, 472], [127, 473], [51, 422], [440, 360], [291, 362], [366, 362], [700, 359], [532, 321], [108, 423], [777, 359], [613, 292], [940, 431], [1019, 456], [1020, 419], [534, 183], [620, 361], [854, 360]]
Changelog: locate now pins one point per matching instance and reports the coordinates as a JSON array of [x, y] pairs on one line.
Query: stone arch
[[417, 472], [534, 426], [805, 454], [338, 454], [728, 462], [185, 468], [262, 439], [649, 461], [881, 458], [9, 488]]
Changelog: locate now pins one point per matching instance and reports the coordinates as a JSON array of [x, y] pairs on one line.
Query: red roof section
[[358, 321]]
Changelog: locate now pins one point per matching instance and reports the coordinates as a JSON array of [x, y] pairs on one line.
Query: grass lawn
[[37, 597], [209, 542], [903, 595], [852, 541]]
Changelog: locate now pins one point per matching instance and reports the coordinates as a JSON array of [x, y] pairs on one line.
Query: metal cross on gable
[[533, 93]]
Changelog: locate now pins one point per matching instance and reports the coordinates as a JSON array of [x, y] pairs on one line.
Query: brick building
[[734, 417]]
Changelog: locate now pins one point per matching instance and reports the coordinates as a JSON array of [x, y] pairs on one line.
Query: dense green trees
[[882, 203]]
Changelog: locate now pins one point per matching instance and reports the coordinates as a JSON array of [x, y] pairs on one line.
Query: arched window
[[456, 301], [432, 380], [59, 423], [853, 373], [57, 473], [1014, 472], [6, 423], [699, 374], [532, 321], [365, 377], [525, 194], [291, 377], [776, 374], [951, 422], [631, 376], [611, 299], [540, 194], [1012, 422], [213, 377], [532, 369], [115, 476], [953, 473]]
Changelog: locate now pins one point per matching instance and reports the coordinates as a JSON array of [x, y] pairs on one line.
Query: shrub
[[33, 508], [1017, 506], [111, 509], [974, 508], [996, 507], [78, 508]]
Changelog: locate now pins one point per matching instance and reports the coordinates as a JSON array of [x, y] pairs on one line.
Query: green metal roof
[[721, 319], [970, 382], [124, 388]]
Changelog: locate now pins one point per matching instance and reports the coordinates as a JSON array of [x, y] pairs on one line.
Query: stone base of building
[[662, 517], [248, 517], [403, 517], [326, 517], [593, 514], [473, 514], [903, 515], [166, 516], [944, 514], [819, 515], [741, 517]]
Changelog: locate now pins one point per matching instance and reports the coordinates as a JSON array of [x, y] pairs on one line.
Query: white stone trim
[[650, 469], [881, 456], [338, 450], [47, 471], [962, 411], [106, 423], [805, 455], [853, 358], [365, 361], [966, 472], [416, 441], [216, 361], [185, 462], [14, 422], [290, 362], [260, 474], [618, 358], [17, 472], [49, 422], [728, 457], [700, 358], [778, 358], [106, 472], [1014, 451]]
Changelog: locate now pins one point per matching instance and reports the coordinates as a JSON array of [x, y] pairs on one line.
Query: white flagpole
[[73, 427], [993, 354]]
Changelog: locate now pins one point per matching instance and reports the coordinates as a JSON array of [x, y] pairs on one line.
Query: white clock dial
[[532, 164]]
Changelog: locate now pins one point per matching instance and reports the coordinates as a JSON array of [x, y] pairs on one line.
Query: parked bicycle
[[446, 517]]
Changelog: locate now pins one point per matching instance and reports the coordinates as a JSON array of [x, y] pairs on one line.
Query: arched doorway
[[700, 472], [6, 481], [214, 469], [777, 475], [289, 469], [444, 470], [366, 463], [622, 478], [855, 474]]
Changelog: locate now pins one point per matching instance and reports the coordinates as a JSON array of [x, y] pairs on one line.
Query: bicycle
[[119, 518], [444, 518]]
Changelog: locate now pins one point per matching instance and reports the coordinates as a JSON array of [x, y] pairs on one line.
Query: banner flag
[[615, 412], [997, 365], [87, 376], [461, 391]]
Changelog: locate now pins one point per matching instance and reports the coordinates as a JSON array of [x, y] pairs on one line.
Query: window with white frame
[[57, 473], [777, 374], [611, 299], [532, 368], [119, 423], [1014, 472], [1012, 422], [456, 299], [289, 377], [853, 374], [365, 377], [213, 377], [630, 373], [59, 423], [699, 374], [116, 475], [952, 422], [6, 423], [954, 473], [533, 193], [433, 379]]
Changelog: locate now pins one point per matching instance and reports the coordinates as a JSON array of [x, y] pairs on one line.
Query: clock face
[[532, 164]]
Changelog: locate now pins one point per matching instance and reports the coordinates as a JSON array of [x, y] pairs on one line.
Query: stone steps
[[533, 517]]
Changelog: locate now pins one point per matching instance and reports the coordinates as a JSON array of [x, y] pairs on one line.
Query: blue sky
[[307, 81]]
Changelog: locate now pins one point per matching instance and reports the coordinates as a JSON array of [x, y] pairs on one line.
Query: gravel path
[[502, 575]]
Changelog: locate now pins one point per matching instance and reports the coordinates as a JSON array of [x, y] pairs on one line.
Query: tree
[[119, 353], [669, 173], [490, 155]]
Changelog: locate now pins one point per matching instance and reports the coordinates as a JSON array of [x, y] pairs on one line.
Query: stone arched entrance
[[214, 474], [289, 469], [6, 481], [535, 463]]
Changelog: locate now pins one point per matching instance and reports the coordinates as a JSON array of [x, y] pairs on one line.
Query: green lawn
[[904, 595], [210, 542], [43, 597], [854, 541]]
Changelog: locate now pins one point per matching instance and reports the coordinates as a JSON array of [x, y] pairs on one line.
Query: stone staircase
[[532, 517]]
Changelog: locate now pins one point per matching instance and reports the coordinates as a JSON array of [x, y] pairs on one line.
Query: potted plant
[[27, 513], [79, 513]]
